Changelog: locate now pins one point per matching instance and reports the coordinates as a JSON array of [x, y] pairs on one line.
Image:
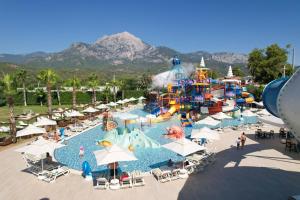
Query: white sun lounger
[[50, 176], [102, 183], [162, 176], [137, 179]]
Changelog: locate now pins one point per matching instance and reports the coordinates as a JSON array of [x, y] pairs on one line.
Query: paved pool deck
[[262, 170]]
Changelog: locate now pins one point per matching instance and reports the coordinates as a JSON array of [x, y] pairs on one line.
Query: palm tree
[[39, 92], [107, 91], [21, 76], [93, 83], [114, 84], [9, 90], [75, 84], [58, 88], [49, 77]]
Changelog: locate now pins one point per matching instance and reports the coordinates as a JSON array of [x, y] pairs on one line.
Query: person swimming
[[81, 151]]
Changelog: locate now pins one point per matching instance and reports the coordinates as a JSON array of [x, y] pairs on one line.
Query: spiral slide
[[281, 99]]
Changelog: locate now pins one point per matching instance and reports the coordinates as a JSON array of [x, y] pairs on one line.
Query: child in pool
[[81, 151]]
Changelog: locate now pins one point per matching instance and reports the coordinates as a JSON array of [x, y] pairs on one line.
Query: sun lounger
[[50, 176], [137, 179], [102, 183], [162, 176], [126, 182]]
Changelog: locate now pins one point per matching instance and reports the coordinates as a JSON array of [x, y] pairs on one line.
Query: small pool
[[147, 158]]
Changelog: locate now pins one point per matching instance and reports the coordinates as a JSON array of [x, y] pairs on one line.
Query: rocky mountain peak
[[124, 40]]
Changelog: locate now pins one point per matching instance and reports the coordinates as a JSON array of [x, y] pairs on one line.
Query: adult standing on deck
[[243, 139]]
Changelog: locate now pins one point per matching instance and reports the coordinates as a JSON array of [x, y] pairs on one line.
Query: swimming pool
[[148, 158]]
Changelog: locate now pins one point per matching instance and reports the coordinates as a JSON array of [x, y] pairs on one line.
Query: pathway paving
[[262, 170]]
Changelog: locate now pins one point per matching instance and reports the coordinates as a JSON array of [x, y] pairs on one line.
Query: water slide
[[281, 99], [167, 115]]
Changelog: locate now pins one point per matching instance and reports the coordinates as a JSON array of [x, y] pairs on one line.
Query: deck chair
[[137, 179], [102, 183], [162, 176]]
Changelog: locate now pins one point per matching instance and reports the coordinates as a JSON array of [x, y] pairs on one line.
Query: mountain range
[[125, 53]]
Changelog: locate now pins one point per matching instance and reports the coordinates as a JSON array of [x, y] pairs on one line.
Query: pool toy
[[87, 171], [280, 98], [105, 143], [131, 148], [174, 132]]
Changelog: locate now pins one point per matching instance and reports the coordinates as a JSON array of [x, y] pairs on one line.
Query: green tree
[[267, 64], [21, 76], [214, 74], [75, 84], [9, 89], [49, 77], [41, 95], [237, 71], [93, 83], [145, 81], [107, 92]]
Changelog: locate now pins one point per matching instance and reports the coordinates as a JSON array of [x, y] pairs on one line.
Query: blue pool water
[[147, 158]]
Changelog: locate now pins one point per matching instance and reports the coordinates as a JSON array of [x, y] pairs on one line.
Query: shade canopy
[[102, 106], [184, 147], [113, 154], [44, 121], [150, 116], [205, 132], [126, 100], [40, 147], [125, 116], [30, 130], [90, 110], [73, 113], [4, 129], [208, 121], [112, 104], [248, 113], [272, 120], [120, 102], [221, 116], [141, 98], [132, 99]]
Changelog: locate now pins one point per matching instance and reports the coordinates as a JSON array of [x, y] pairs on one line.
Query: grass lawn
[[4, 112]]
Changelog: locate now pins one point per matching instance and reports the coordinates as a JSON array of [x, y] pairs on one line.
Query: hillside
[[122, 53]]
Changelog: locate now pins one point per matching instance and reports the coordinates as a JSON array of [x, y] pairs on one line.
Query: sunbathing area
[[223, 168]]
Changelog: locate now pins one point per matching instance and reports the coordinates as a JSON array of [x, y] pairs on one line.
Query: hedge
[[66, 97]]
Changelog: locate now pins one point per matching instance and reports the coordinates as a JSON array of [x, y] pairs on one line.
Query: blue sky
[[185, 25]]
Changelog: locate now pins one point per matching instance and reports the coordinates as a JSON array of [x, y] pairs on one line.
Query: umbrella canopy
[[30, 130], [44, 121], [142, 119], [113, 154], [112, 104], [208, 121], [205, 132], [221, 116], [132, 99], [126, 100], [4, 129], [40, 147], [150, 116], [120, 102], [141, 98], [73, 113], [102, 106], [184, 147], [248, 113], [90, 110], [125, 116]]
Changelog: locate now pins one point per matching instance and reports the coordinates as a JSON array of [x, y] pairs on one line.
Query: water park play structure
[[196, 95], [280, 97]]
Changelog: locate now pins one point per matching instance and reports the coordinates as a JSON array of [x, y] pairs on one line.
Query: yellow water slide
[[166, 116]]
